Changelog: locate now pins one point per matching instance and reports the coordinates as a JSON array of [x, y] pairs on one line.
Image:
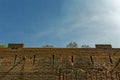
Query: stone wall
[[59, 64]]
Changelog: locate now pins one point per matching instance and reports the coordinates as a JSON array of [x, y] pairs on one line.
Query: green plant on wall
[[72, 45], [85, 46], [2, 46], [48, 46]]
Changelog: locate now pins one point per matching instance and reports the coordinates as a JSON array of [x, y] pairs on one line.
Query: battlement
[[15, 46], [100, 46], [103, 46]]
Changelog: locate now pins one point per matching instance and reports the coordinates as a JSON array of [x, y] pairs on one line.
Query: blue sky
[[58, 22]]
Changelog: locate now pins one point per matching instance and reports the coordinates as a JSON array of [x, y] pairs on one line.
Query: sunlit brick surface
[[59, 64]]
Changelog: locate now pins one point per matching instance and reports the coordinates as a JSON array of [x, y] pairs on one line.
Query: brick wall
[[59, 64]]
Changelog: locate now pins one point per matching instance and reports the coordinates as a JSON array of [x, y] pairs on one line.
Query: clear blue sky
[[58, 22]]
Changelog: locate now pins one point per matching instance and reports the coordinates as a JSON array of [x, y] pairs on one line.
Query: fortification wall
[[59, 64]]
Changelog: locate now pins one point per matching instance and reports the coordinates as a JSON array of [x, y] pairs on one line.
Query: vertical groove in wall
[[15, 59], [34, 56]]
